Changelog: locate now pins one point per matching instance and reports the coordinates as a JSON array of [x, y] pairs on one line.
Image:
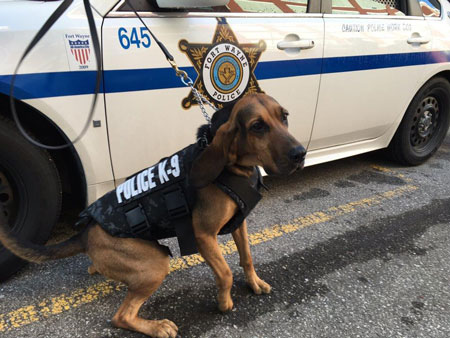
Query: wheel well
[[445, 74], [67, 161]]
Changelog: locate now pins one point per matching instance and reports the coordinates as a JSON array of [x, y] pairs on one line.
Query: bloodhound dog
[[252, 132]]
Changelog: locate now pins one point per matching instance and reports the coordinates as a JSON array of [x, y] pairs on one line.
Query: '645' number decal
[[127, 39]]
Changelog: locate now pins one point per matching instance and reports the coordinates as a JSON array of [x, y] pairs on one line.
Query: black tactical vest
[[157, 202]]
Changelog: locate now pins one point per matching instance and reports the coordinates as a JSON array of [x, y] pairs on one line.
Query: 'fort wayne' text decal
[[225, 67], [78, 50]]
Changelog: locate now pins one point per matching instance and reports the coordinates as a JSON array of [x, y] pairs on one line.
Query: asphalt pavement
[[353, 248]]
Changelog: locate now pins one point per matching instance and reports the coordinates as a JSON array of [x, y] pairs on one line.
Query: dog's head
[[253, 131]]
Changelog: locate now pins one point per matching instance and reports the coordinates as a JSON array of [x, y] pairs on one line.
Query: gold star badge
[[225, 67]]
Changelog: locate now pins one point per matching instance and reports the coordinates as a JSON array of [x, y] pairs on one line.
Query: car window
[[274, 6], [367, 7], [234, 6], [430, 8]]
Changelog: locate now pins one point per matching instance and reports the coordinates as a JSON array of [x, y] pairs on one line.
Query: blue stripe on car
[[367, 62], [39, 85]]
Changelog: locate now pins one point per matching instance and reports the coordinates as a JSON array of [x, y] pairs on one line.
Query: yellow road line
[[55, 305], [391, 172]]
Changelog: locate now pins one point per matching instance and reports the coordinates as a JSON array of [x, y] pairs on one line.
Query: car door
[[249, 46], [375, 53]]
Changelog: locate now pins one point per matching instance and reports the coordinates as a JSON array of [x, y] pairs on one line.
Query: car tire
[[30, 192], [424, 125]]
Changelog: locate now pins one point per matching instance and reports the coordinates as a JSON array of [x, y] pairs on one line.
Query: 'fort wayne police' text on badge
[[225, 67]]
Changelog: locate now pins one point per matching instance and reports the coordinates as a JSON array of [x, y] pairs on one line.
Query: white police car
[[356, 75]]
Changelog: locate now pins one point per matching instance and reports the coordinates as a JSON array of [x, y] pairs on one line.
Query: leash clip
[[180, 73], [202, 142], [187, 81]]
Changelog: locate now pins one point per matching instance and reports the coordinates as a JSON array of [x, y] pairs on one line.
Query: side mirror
[[190, 3]]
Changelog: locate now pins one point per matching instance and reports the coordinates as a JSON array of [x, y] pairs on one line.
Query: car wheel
[[30, 192], [424, 125]]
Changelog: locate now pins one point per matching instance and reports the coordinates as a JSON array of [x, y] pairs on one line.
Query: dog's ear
[[215, 157]]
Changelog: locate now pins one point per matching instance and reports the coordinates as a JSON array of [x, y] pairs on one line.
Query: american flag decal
[[80, 50]]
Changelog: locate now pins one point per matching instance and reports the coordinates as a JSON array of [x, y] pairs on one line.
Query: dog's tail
[[39, 253]]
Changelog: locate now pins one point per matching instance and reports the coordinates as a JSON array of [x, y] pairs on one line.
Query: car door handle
[[302, 44], [418, 40]]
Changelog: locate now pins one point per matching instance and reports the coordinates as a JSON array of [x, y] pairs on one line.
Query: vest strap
[[185, 236], [243, 187], [181, 218]]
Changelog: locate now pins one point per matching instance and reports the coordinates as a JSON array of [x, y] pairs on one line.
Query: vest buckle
[[176, 202], [137, 220]]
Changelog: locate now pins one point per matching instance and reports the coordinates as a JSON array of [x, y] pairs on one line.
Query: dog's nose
[[297, 154]]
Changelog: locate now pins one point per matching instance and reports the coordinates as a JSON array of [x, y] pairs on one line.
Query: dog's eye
[[284, 116], [258, 127]]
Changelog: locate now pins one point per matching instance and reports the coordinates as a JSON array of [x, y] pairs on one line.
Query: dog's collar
[[202, 141]]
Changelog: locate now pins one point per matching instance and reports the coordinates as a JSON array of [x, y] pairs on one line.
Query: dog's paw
[[163, 329], [225, 304], [92, 270], [258, 285]]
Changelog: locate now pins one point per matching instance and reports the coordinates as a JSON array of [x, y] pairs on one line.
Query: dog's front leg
[[241, 239], [209, 249], [207, 220]]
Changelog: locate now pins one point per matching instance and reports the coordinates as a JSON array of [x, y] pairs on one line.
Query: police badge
[[225, 68]]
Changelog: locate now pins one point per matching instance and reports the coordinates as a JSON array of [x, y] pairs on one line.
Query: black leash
[[40, 34], [184, 77], [96, 45], [202, 141], [160, 44]]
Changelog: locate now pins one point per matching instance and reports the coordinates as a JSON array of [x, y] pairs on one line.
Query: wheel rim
[[426, 122], [9, 196]]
